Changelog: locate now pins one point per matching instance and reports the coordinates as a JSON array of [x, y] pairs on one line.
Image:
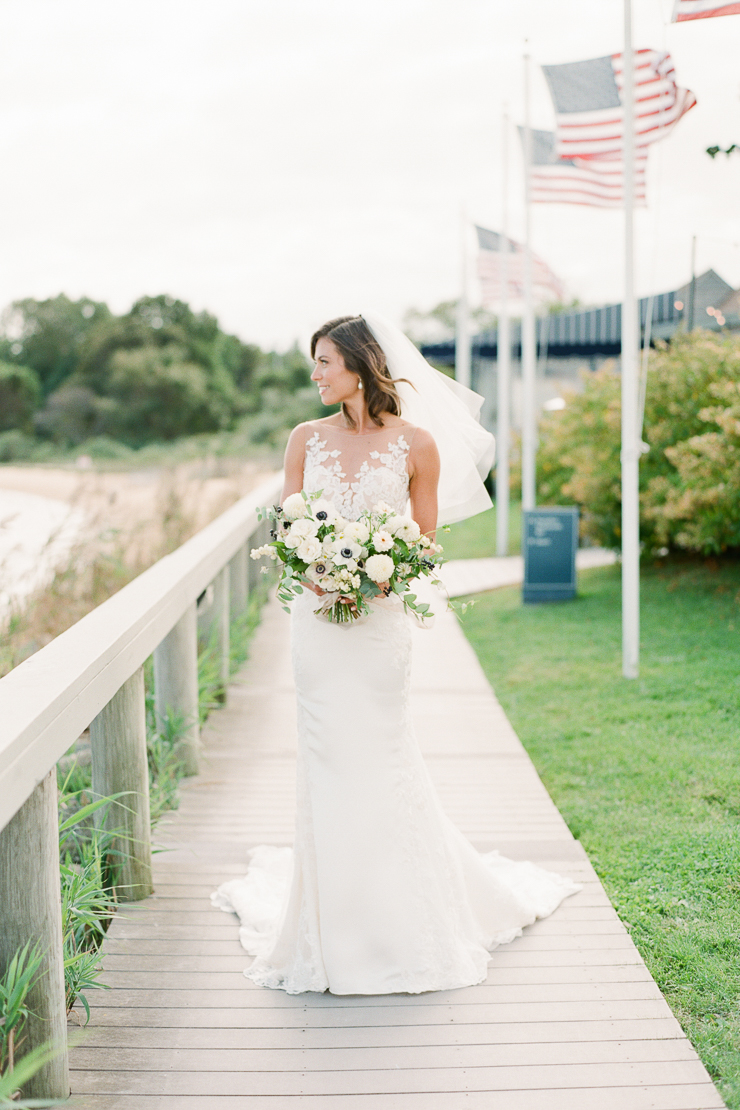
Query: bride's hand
[[313, 587]]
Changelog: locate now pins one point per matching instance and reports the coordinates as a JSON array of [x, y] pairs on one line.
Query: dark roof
[[598, 331]]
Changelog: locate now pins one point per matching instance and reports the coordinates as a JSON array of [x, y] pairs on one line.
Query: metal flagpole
[[462, 338], [529, 417], [630, 384], [503, 360]]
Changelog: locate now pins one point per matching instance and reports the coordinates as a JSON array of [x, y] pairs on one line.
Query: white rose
[[382, 540], [323, 512], [358, 531], [302, 530], [309, 549], [295, 506], [379, 568], [319, 571], [327, 546]]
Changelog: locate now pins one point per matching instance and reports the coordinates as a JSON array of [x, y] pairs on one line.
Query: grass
[[646, 773], [475, 538]]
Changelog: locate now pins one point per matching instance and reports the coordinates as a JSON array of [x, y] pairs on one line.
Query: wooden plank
[[702, 1096], [396, 1081], [150, 1035], [404, 1057], [328, 1017]]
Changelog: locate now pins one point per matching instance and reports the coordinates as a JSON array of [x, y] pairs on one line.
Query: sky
[[280, 163]]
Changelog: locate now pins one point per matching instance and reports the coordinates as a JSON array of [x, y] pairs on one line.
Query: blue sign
[[550, 542]]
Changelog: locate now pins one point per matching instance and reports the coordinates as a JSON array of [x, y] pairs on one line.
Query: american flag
[[588, 104], [491, 248], [597, 182], [702, 9]]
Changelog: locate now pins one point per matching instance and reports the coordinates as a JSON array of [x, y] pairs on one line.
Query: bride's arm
[[423, 481], [295, 455]]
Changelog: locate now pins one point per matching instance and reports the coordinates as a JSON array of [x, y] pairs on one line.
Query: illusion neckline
[[400, 428]]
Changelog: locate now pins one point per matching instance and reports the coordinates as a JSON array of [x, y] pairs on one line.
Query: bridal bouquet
[[352, 561]]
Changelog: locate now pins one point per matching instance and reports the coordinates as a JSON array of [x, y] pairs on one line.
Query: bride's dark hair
[[364, 356]]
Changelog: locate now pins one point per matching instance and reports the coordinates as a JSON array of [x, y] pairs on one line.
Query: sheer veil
[[450, 412]]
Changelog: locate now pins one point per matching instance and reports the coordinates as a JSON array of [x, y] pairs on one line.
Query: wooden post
[[30, 909], [176, 684], [220, 622], [119, 764], [238, 590]]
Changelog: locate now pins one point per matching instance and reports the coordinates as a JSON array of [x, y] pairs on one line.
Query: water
[[36, 535]]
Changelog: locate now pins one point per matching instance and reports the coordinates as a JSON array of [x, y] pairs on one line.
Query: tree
[[20, 391], [48, 335]]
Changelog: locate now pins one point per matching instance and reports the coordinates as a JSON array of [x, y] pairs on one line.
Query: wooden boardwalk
[[569, 1018]]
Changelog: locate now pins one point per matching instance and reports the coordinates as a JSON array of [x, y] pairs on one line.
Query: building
[[584, 339]]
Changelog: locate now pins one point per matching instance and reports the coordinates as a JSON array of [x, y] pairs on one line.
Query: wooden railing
[[92, 675]]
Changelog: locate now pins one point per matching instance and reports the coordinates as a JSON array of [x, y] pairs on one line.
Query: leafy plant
[[15, 984], [689, 478]]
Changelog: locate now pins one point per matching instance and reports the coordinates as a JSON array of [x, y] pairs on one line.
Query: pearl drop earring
[[359, 384]]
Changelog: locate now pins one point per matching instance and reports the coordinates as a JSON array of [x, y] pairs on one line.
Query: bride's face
[[336, 383]]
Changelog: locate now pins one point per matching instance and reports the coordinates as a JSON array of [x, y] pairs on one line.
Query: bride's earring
[[359, 384]]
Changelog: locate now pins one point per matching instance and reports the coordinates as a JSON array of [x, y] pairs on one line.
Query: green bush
[[20, 391], [15, 446], [690, 477]]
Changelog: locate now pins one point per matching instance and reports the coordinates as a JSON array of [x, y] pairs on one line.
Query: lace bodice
[[356, 472]]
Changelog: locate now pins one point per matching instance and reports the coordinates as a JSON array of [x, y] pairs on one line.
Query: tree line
[[73, 372]]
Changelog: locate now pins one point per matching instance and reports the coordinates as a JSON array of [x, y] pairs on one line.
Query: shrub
[[15, 446], [689, 479], [20, 391]]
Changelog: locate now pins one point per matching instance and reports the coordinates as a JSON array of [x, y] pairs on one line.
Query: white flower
[[394, 523], [379, 568], [327, 546], [295, 507], [301, 530], [382, 540], [258, 552], [382, 507], [320, 572], [323, 511], [345, 551], [330, 584], [425, 542], [339, 523], [408, 531], [357, 530], [309, 549]]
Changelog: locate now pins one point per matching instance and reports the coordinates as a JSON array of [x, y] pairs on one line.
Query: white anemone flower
[[295, 507], [323, 512], [309, 549], [379, 568], [382, 540], [344, 551], [319, 572]]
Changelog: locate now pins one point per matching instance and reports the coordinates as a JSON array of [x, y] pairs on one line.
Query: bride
[[381, 893]]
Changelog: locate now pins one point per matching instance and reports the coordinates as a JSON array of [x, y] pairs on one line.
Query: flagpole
[[462, 338], [529, 427], [630, 385], [503, 360]]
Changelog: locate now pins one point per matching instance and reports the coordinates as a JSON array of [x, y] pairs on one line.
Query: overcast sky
[[283, 161]]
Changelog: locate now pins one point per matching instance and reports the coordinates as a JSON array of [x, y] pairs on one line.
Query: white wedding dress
[[382, 893]]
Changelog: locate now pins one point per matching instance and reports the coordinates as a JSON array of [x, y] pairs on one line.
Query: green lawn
[[475, 538], [646, 773]]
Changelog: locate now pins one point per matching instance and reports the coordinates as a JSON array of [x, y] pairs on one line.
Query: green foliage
[[154, 374], [475, 538], [16, 981], [689, 479], [645, 772], [20, 391], [14, 1079], [16, 446], [48, 335]]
